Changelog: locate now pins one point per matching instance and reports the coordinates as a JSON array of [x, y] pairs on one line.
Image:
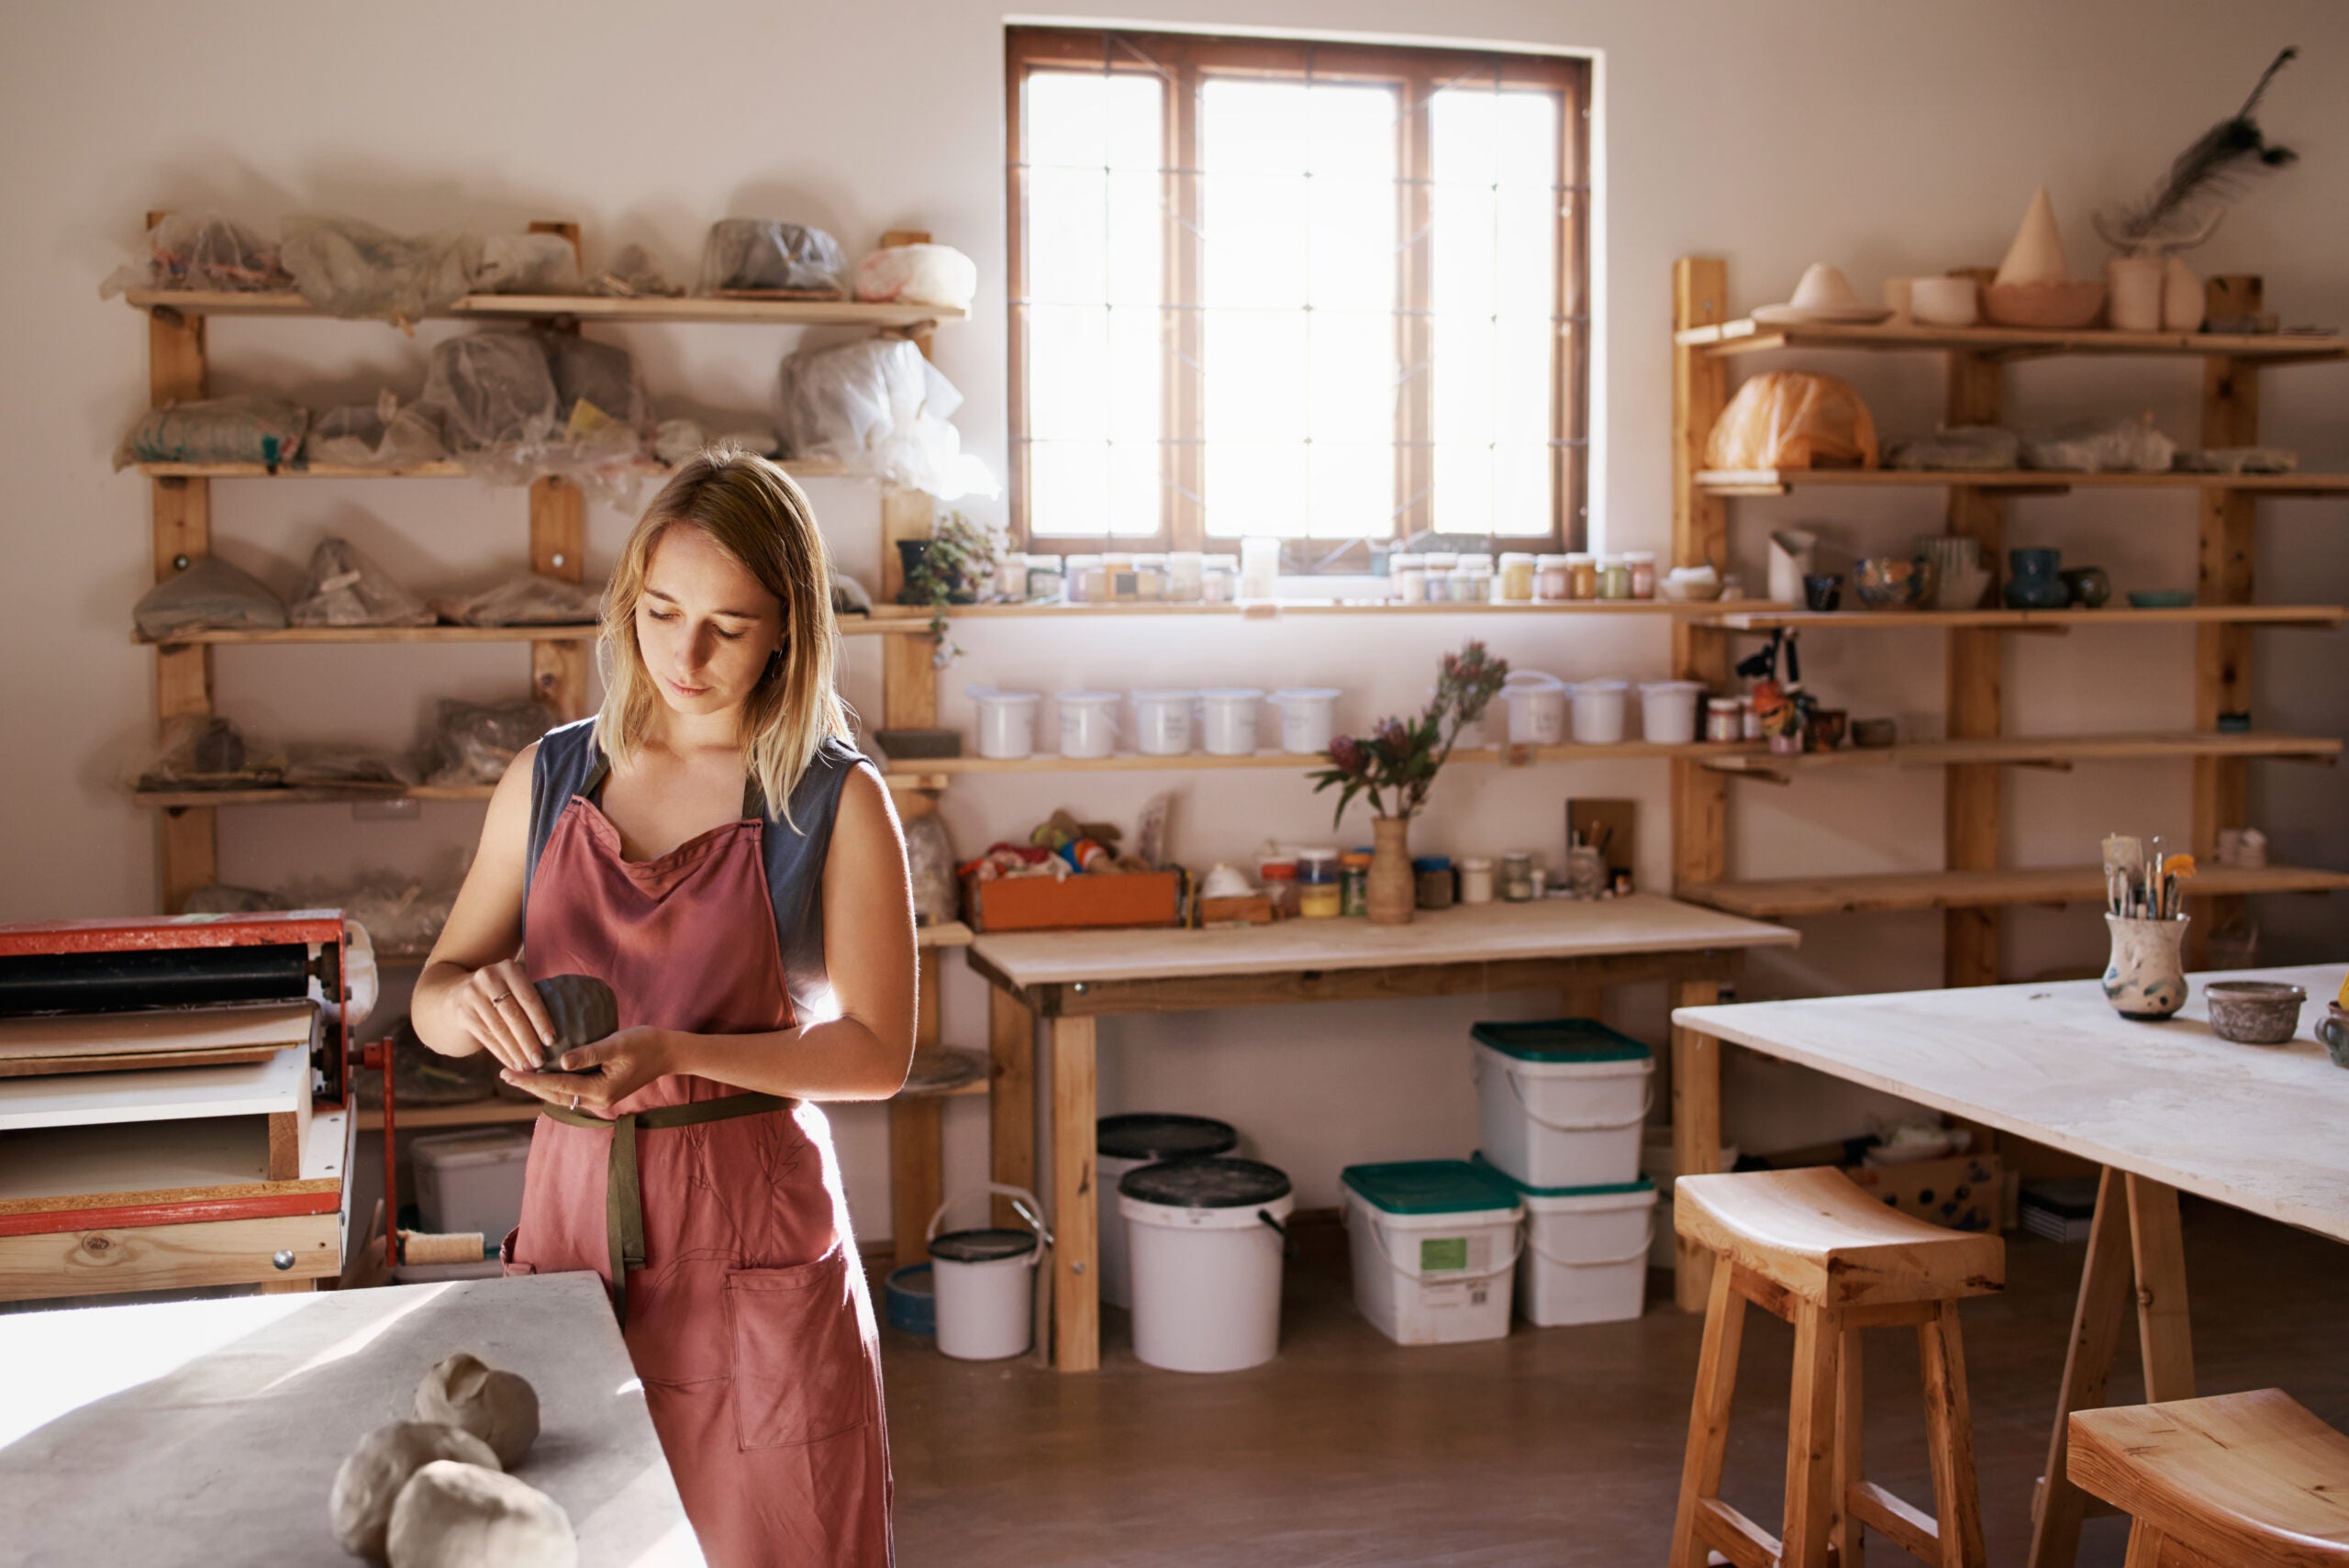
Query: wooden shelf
[[953, 934], [2046, 751], [1975, 889], [306, 634], [912, 620], [1781, 481], [445, 469], [584, 307], [1296, 762], [176, 799], [472, 1113], [1750, 337], [2024, 620]]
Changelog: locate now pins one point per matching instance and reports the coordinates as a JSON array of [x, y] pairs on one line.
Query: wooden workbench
[[2162, 1106], [1071, 978], [210, 1431]]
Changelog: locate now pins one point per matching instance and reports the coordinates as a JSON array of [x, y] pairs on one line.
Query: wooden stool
[[1813, 1249], [2242, 1481]]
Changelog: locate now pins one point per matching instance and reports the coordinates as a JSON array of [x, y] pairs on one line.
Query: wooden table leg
[[1076, 1254], [2096, 1331], [1695, 1130], [2164, 1335], [1012, 1107]]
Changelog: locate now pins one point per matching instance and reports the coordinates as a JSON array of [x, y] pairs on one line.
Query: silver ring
[[501, 999], [574, 1102]]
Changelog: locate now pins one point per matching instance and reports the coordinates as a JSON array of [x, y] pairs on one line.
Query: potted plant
[[954, 566], [1397, 763]]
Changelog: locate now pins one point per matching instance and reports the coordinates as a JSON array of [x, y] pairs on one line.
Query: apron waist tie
[[623, 1195]]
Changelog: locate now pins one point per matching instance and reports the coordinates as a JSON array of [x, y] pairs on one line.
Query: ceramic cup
[[1822, 591], [2146, 978], [2134, 303], [1945, 301]]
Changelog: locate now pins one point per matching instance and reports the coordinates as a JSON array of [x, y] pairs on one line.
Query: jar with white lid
[[1260, 568], [1582, 574], [1476, 880], [1614, 577], [1012, 575], [1087, 583], [1220, 579], [1550, 584], [1407, 578], [1150, 579], [1472, 580], [1722, 719], [1185, 574], [1517, 576], [1642, 565], [1441, 563], [1118, 567]]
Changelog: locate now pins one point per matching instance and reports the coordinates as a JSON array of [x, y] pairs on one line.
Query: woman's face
[[704, 624]]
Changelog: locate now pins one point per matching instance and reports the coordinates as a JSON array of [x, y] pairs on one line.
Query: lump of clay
[[582, 1008], [462, 1516], [369, 1482], [501, 1408]]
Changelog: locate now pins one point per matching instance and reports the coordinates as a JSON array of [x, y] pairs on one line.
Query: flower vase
[[2033, 583], [1393, 892], [2146, 978]]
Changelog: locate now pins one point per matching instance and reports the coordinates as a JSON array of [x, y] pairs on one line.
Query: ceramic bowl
[[2162, 598], [2090, 588], [1961, 590], [1945, 301], [2055, 307], [1822, 591], [1893, 582], [2254, 1012], [1873, 732]]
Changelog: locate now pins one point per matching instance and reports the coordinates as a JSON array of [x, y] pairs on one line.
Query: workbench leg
[[286, 1287], [1076, 1251], [1011, 1106], [2096, 1332], [1696, 1130], [916, 1176], [1583, 1002], [2164, 1334]]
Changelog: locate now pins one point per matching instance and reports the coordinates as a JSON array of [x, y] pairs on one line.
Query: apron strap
[[623, 1193]]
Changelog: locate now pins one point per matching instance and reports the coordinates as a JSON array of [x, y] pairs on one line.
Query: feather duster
[[2216, 168]]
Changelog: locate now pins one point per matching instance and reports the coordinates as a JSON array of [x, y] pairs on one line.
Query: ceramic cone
[[2037, 254]]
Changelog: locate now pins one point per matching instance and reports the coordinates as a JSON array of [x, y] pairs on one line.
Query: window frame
[[1186, 62]]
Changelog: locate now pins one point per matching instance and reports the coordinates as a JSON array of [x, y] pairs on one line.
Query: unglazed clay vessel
[[501, 1408], [2146, 978], [583, 1011], [2254, 1012]]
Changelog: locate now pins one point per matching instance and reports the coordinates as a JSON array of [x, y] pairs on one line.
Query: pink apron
[[749, 1322]]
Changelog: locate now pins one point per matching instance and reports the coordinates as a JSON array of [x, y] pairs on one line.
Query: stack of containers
[[1434, 1243], [1123, 1143], [1560, 1104]]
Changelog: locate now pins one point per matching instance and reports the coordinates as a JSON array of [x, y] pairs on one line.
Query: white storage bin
[[1659, 1165], [1088, 723], [1206, 1238], [1537, 708], [1006, 722], [1163, 723], [1229, 719], [1585, 1257], [1434, 1246], [470, 1180], [1123, 1143], [1560, 1103], [1308, 718], [1668, 711], [1599, 711]]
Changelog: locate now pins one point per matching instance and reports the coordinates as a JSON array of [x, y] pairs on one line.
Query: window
[[1334, 293]]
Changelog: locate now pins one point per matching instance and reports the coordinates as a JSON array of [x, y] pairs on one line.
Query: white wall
[[1888, 138]]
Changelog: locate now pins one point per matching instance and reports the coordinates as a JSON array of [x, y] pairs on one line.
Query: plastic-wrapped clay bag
[[681, 440], [2100, 446], [210, 596], [762, 255], [401, 912], [199, 751], [202, 251], [930, 858], [596, 386], [473, 742], [495, 397], [2239, 460], [349, 268], [919, 274], [877, 406], [1965, 448], [527, 599], [378, 435], [526, 264], [349, 767], [344, 588], [216, 429], [1788, 420], [633, 274]]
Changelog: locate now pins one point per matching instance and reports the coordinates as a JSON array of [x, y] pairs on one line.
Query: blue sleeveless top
[[570, 763]]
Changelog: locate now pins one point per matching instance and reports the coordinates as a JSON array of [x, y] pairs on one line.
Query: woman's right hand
[[503, 1011]]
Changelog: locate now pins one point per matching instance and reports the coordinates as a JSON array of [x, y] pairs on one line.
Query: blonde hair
[[758, 514]]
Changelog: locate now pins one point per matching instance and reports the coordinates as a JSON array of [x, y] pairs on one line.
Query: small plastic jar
[[1517, 876], [1431, 879], [1124, 585], [1749, 723], [1186, 577], [1582, 575], [1642, 565], [1472, 580], [1552, 583], [1260, 568], [1316, 868], [1087, 584], [1012, 575], [1220, 579], [1722, 719], [1614, 577], [1045, 579], [1318, 901], [1476, 880], [1441, 563], [1407, 578], [1353, 882], [1517, 576], [1150, 579], [1279, 878]]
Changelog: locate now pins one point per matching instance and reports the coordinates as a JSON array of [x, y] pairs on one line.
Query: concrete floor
[[1552, 1446]]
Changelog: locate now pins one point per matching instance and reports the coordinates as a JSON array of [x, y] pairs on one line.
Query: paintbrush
[[2125, 856]]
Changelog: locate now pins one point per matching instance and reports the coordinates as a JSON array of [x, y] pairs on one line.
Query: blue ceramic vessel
[[2033, 583]]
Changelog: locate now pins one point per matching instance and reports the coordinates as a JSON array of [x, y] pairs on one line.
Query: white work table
[[1070, 978], [2160, 1106], [210, 1431]]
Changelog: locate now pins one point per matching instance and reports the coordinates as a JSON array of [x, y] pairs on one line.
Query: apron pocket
[[506, 1255], [800, 1371]]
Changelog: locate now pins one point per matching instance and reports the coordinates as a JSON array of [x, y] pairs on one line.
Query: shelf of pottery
[[1786, 432]]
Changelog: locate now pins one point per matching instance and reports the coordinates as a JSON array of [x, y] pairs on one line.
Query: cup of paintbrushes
[[2145, 977]]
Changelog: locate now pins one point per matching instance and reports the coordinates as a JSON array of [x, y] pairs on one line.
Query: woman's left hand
[[598, 1076]]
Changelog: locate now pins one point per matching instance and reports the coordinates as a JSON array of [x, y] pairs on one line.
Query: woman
[[762, 959]]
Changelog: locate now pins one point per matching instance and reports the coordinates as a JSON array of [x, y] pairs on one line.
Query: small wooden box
[[1042, 903], [1964, 1192]]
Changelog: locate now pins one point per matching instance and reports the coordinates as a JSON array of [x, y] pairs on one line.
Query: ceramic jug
[[2033, 583], [2146, 978]]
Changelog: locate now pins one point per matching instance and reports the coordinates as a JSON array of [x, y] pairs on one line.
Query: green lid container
[[1561, 1040], [1493, 1173], [1429, 1187]]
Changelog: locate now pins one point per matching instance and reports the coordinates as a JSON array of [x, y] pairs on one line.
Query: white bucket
[[1599, 711], [1668, 711], [1088, 723], [1229, 715], [1586, 1254], [1308, 718], [986, 1297], [1206, 1280], [1573, 1121], [1537, 708], [1163, 723], [1659, 1165], [1006, 722], [1128, 1142], [1435, 1278]]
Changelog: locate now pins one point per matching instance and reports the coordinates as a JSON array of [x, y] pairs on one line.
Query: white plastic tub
[[1599, 711], [1308, 718], [1537, 708], [1128, 1142], [470, 1180], [1206, 1238], [1006, 722], [1163, 723], [1585, 1257], [1560, 1103], [1228, 720], [1668, 711], [983, 1281], [1088, 723], [1434, 1246]]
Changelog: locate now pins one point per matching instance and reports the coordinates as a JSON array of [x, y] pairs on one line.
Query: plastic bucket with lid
[[1434, 1245], [1229, 715], [1123, 1143], [1599, 711], [1207, 1236], [1006, 722], [983, 1281], [1668, 711], [1308, 718], [1586, 1250], [1560, 1102], [1537, 708], [1163, 723], [1088, 723]]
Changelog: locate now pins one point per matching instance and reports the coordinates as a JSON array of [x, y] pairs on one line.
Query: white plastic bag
[[384, 434], [210, 596], [527, 599], [877, 406], [526, 264], [353, 269], [216, 429], [343, 587], [202, 251], [764, 255], [2100, 446], [473, 743], [919, 274]]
